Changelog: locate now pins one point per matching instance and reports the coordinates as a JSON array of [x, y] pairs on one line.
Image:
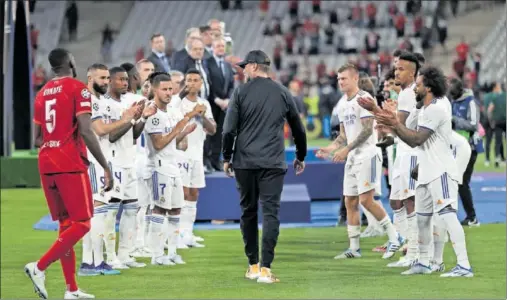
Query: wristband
[[143, 119], [133, 122]]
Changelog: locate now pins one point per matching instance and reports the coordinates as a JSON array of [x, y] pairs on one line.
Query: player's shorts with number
[[403, 186], [192, 173], [167, 191], [97, 182], [437, 194], [125, 183], [69, 195], [361, 176]]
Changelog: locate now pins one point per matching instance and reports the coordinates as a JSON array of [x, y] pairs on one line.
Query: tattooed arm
[[341, 140], [367, 131], [411, 137]]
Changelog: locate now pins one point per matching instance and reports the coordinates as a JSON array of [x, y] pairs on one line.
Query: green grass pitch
[[304, 262]]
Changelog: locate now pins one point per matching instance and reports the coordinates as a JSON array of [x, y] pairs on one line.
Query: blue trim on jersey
[[424, 128], [96, 118], [93, 178], [373, 169], [155, 132], [154, 180], [143, 140], [159, 220], [366, 117], [413, 164], [445, 186], [454, 152], [425, 214]]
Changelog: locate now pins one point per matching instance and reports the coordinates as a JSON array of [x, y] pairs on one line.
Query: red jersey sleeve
[[38, 113], [82, 100]]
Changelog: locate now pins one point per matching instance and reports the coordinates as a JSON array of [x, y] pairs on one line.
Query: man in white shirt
[[437, 187], [165, 130], [192, 165], [356, 144], [123, 152], [93, 258]]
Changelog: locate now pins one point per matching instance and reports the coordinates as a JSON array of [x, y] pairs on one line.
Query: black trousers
[[264, 186], [214, 142], [464, 188], [499, 131]]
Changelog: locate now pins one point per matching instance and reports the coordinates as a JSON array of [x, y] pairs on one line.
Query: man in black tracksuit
[[253, 138]]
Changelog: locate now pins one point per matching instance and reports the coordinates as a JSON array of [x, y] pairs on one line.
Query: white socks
[[97, 233], [172, 230], [425, 229], [158, 230], [87, 249], [188, 214], [110, 231], [354, 232], [400, 221], [147, 221], [412, 235], [457, 236], [140, 228], [127, 230], [389, 228], [439, 239]]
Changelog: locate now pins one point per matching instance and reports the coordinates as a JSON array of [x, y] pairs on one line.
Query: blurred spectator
[[363, 63], [392, 10], [494, 104], [399, 24], [329, 33], [316, 6], [224, 4], [293, 8], [140, 54], [454, 7], [418, 25], [277, 56], [195, 60], [371, 13], [442, 32], [39, 77], [459, 67], [356, 15], [321, 70], [72, 20], [215, 26], [295, 90], [328, 97], [238, 4], [263, 8], [333, 17], [191, 34], [371, 42], [385, 59], [289, 42], [350, 41], [277, 27], [462, 49], [413, 7], [31, 5], [169, 50], [34, 37], [158, 56], [207, 40], [107, 42], [407, 45]]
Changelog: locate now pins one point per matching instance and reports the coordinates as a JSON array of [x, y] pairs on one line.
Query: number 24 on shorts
[[183, 166]]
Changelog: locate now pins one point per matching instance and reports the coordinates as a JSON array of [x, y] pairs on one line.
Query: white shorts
[[390, 162], [167, 191], [435, 195], [192, 173], [402, 185], [378, 184], [361, 176], [97, 181], [125, 183], [143, 192]]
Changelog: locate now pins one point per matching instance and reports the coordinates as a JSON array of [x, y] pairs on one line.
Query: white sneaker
[[253, 272], [78, 295], [175, 258], [392, 248], [403, 262], [181, 242], [162, 261], [132, 263], [459, 271], [117, 264], [417, 269], [371, 231], [267, 277], [349, 254], [140, 252], [194, 244], [38, 279], [198, 239], [436, 267]]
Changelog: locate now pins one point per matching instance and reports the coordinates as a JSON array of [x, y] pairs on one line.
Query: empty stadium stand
[[493, 51]]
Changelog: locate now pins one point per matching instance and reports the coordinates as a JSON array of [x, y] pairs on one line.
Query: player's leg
[[373, 223], [408, 195], [445, 194], [158, 224], [173, 218], [188, 206], [424, 214], [87, 267], [189, 210], [127, 226], [440, 237], [198, 181]]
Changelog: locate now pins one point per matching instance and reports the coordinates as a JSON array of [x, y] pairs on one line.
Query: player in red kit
[[63, 131]]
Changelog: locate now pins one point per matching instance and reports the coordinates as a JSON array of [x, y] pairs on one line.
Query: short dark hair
[[348, 66], [114, 70], [160, 78], [204, 28], [193, 71], [435, 80], [58, 58], [97, 66], [420, 58], [154, 74], [363, 74], [398, 52], [410, 57], [155, 35], [127, 66], [390, 74]]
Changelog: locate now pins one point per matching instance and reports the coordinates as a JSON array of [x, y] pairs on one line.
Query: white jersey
[[164, 161], [175, 101], [100, 113], [350, 115], [198, 136], [435, 155], [406, 103], [461, 151]]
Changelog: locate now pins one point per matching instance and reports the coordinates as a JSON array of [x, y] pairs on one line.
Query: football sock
[[140, 228], [425, 230], [157, 234], [87, 249], [97, 233], [439, 239], [66, 240], [400, 221], [147, 220], [173, 225], [457, 236], [389, 228], [127, 230], [412, 235], [68, 261], [110, 231], [188, 213], [354, 232]]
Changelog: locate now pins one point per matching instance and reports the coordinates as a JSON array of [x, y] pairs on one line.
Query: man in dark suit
[[158, 57], [207, 39], [181, 55], [221, 84]]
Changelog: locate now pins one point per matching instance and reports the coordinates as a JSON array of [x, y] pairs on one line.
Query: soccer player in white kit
[[165, 130], [356, 144], [192, 165], [123, 153], [93, 258], [437, 186]]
